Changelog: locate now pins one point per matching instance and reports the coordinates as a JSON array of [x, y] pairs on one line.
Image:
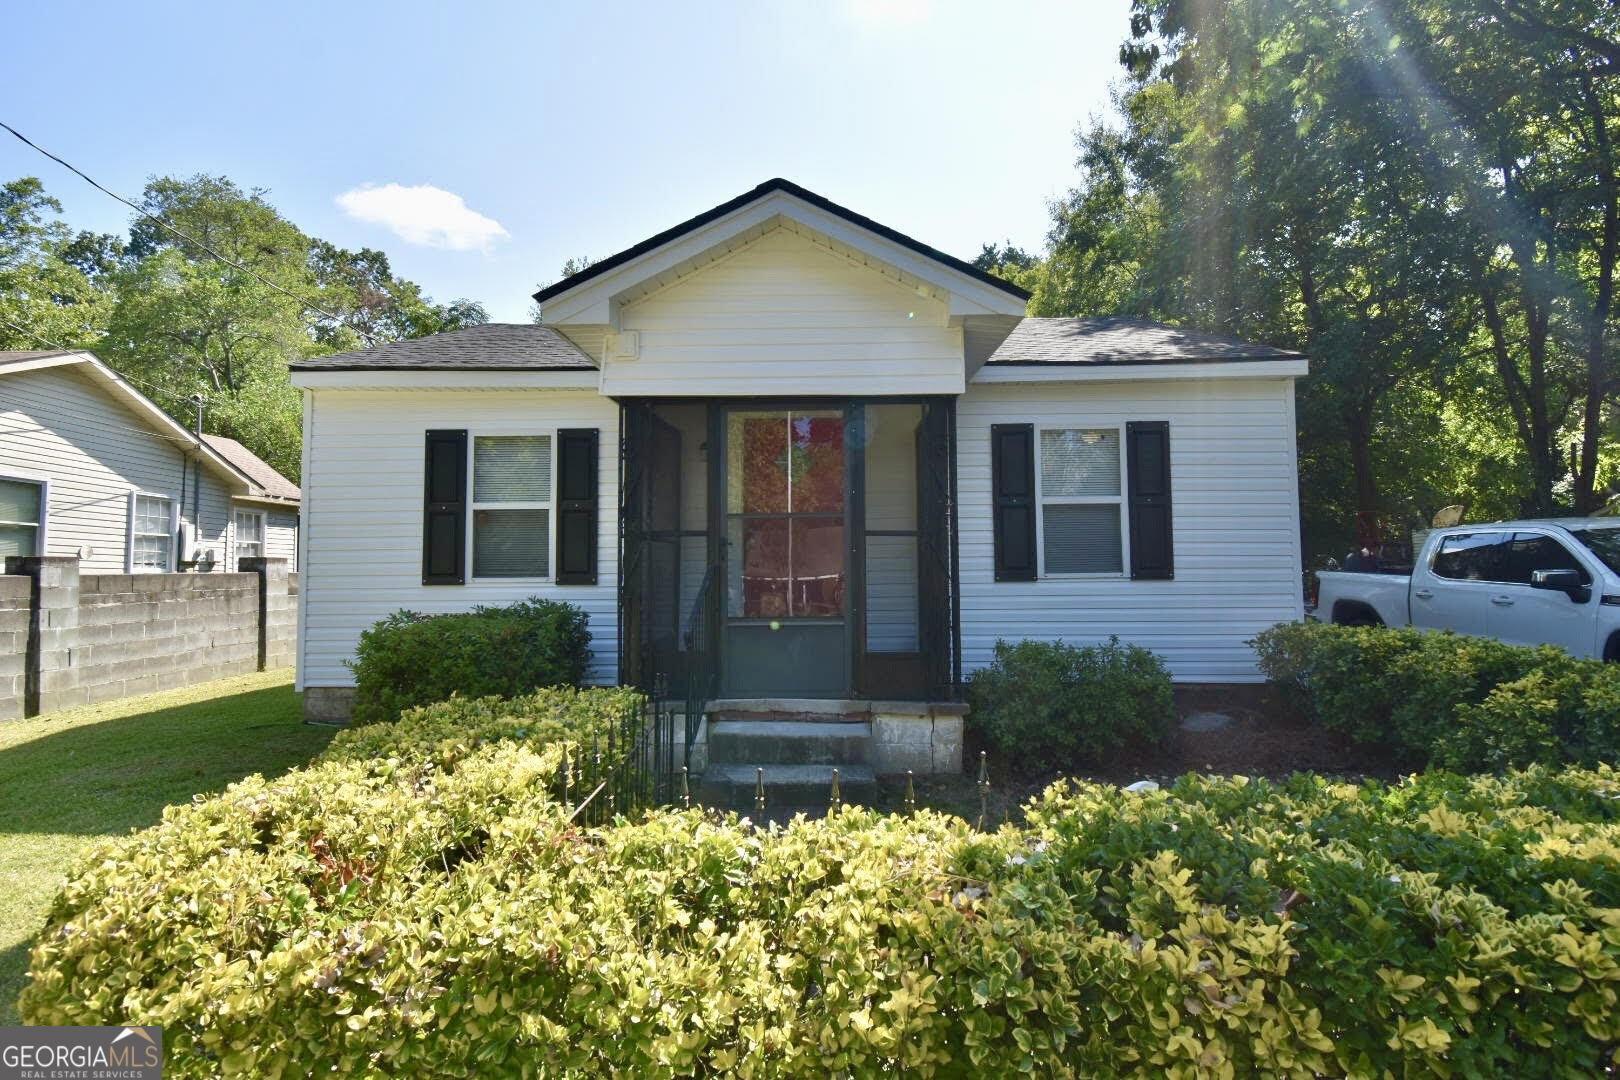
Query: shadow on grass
[[109, 776], [13, 976]]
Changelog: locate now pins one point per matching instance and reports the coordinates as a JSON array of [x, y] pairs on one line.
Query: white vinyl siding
[[1080, 478], [1233, 503], [56, 424], [151, 534], [362, 515], [785, 315], [511, 506], [22, 516]]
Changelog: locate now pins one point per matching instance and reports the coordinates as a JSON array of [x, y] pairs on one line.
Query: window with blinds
[[151, 543], [511, 506], [22, 516], [1081, 494]]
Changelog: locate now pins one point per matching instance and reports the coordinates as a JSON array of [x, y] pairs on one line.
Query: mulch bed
[[1265, 738]]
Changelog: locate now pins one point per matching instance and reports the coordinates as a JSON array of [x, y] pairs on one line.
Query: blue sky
[[480, 145]]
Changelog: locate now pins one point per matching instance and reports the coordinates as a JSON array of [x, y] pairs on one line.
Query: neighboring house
[[782, 451], [90, 467]]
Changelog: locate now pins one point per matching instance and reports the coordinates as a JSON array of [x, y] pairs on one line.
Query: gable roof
[[770, 187], [18, 362], [490, 347], [264, 479], [1116, 339]]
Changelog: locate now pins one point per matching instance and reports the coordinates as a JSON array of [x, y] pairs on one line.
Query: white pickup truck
[[1553, 582]]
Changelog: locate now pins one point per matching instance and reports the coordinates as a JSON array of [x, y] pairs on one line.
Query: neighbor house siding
[[1234, 508], [362, 519], [786, 316], [57, 425]]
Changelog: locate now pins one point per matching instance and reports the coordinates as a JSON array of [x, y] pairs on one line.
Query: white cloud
[[882, 13], [423, 214]]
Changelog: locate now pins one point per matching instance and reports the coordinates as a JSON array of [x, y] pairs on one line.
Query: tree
[[53, 285]]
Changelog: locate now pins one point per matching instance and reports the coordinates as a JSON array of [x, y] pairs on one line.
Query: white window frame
[[42, 524], [549, 505], [129, 532], [1120, 500], [237, 513]]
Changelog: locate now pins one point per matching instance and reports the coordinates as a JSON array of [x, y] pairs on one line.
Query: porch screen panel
[[890, 432], [891, 594]]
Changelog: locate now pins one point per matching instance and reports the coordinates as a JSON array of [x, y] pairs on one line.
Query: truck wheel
[[1611, 651], [1356, 615]]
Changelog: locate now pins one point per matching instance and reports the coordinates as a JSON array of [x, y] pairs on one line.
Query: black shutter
[[577, 450], [444, 514], [1147, 445], [1012, 470]]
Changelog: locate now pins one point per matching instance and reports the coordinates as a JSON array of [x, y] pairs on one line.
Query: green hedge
[[430, 912], [1463, 703], [410, 659], [1048, 704]]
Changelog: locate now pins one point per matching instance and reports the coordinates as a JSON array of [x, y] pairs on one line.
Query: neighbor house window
[[1081, 481], [151, 535], [511, 506], [22, 517], [249, 534]]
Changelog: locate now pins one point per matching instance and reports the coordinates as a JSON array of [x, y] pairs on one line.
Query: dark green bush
[[1439, 698], [1047, 703], [386, 915], [410, 659]]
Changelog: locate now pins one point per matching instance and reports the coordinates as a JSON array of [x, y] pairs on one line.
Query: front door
[[786, 484]]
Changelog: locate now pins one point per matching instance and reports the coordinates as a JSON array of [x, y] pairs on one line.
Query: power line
[[310, 304]]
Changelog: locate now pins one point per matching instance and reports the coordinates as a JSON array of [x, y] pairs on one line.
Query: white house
[[783, 451], [90, 467]]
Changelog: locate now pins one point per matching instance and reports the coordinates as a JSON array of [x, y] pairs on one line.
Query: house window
[[22, 517], [151, 535], [249, 534], [1081, 485], [511, 506]]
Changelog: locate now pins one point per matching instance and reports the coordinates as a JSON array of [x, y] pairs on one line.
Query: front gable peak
[[593, 296]]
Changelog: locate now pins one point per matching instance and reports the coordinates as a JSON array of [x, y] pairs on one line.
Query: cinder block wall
[[98, 637], [14, 597], [147, 632]]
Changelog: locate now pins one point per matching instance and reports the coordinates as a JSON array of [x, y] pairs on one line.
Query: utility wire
[[310, 304]]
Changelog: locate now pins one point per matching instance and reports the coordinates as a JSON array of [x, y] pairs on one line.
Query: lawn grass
[[102, 770]]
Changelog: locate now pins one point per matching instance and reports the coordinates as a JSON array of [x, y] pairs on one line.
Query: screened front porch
[[790, 549]]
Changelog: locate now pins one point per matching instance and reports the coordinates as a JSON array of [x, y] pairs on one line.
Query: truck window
[[1475, 556], [1602, 542], [1529, 552]]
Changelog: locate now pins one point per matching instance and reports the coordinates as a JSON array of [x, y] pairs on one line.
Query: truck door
[[1525, 616], [1452, 592]]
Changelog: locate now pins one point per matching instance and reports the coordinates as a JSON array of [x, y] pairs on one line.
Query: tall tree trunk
[[1597, 361]]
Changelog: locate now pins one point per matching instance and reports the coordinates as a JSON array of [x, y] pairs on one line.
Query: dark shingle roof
[[268, 482], [1114, 339], [491, 347], [778, 184]]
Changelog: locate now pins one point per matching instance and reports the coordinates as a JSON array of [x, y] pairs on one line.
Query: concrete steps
[[789, 742], [789, 789], [800, 741]]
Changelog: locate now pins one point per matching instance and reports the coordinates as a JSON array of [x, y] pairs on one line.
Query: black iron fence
[[630, 768]]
